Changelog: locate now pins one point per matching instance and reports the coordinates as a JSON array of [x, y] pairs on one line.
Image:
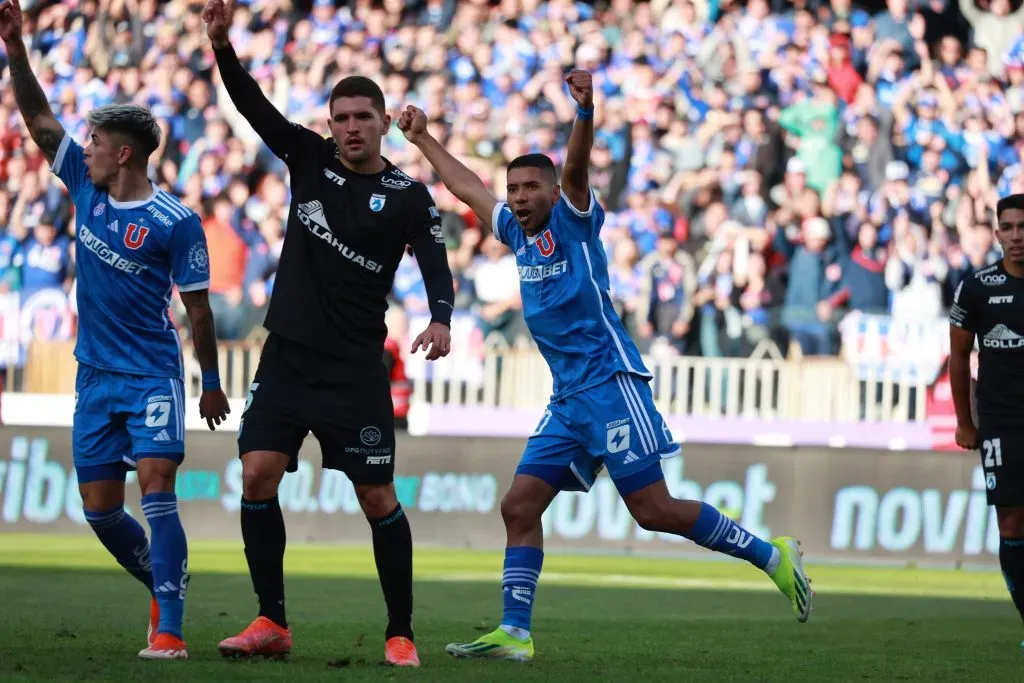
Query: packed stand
[[765, 168]]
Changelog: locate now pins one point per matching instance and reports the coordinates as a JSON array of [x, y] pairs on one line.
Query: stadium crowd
[[765, 167]]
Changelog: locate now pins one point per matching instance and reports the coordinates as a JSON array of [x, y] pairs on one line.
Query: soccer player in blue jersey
[[134, 244], [602, 412]]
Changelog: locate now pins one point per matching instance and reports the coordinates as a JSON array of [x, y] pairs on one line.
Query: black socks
[[1011, 559], [263, 533], [264, 536], [392, 550]]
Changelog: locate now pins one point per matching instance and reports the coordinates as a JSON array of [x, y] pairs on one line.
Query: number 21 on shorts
[[992, 452]]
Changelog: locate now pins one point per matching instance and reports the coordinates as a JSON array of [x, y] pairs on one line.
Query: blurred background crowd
[[767, 167]]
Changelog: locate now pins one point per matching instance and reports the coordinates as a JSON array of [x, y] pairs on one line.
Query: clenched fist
[[10, 20], [581, 87], [967, 436], [217, 15], [412, 123]]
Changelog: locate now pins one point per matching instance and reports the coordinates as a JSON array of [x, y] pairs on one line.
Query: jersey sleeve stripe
[[161, 199], [582, 214], [58, 159], [162, 202], [194, 287], [495, 223], [176, 202]]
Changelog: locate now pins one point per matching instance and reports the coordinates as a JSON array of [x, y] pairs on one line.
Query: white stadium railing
[[829, 389]]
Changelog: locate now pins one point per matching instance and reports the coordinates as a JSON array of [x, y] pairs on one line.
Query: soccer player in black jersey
[[989, 305], [322, 370]]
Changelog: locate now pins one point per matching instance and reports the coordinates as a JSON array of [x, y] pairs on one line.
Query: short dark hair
[[132, 121], [1008, 203], [358, 86], [541, 161]]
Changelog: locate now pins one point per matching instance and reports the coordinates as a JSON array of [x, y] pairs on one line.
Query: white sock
[[519, 633], [773, 563]]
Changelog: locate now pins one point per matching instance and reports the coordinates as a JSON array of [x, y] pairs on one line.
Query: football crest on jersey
[[135, 235], [377, 202], [546, 244], [100, 208]]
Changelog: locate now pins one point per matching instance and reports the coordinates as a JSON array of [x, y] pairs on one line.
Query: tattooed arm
[[32, 103]]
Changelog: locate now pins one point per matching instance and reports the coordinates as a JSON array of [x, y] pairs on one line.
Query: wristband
[[584, 114], [211, 380]]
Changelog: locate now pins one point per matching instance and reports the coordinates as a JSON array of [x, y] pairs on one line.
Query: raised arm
[[32, 103], [459, 180], [575, 171], [277, 132]]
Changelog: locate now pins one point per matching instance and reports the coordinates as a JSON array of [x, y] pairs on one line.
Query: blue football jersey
[[563, 278], [130, 256]]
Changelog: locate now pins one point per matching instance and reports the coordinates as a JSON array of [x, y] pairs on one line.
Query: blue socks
[[715, 531], [126, 540], [518, 584], [170, 559]]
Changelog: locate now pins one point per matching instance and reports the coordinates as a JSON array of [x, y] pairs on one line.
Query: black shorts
[[1002, 459], [345, 404]]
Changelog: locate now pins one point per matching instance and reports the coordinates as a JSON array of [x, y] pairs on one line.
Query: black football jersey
[[990, 303], [346, 235]]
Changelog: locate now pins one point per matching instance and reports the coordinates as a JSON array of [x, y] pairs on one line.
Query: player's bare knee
[[651, 517], [1011, 521], [262, 472], [99, 496], [258, 483], [520, 513], [650, 510], [377, 500]]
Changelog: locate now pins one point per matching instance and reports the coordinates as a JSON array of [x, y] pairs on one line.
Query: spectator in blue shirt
[[45, 257]]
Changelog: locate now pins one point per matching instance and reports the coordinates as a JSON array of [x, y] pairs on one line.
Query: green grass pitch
[[67, 613]]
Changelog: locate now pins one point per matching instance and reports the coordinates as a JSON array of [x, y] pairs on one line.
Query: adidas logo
[[166, 587], [162, 436], [1002, 337], [630, 457]]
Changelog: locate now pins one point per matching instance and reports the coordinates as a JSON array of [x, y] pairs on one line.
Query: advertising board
[[848, 505]]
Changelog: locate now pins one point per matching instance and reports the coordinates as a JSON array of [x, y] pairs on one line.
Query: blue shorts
[[120, 418], [613, 425]]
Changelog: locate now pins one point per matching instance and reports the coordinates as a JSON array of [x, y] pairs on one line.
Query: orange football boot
[[400, 651], [165, 646], [261, 638]]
